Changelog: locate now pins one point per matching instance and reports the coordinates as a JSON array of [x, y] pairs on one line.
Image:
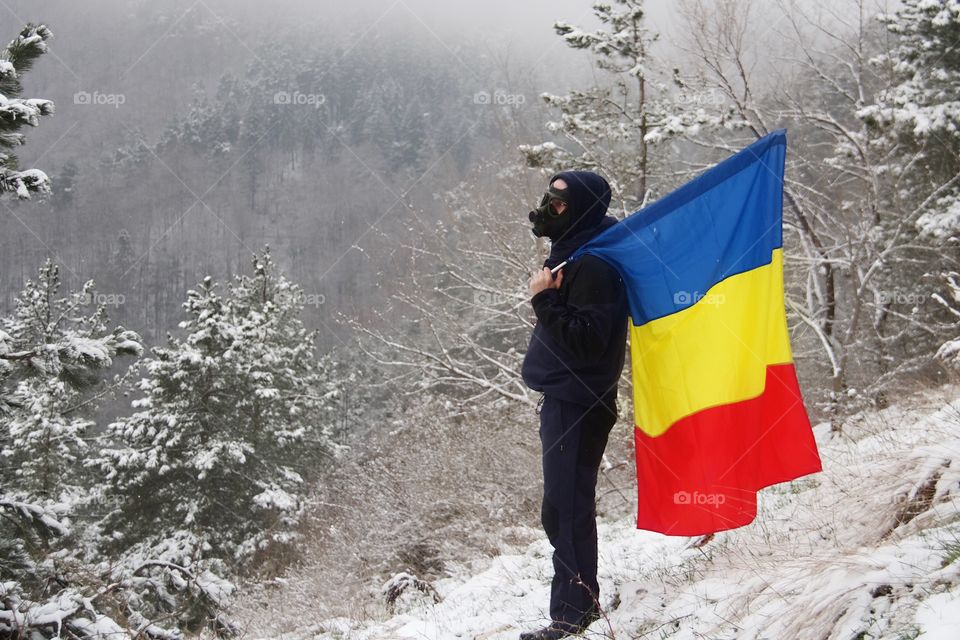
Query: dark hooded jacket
[[578, 344]]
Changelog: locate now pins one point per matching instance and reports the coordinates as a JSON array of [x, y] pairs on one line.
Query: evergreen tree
[[920, 113], [399, 125], [227, 427], [918, 122], [64, 194], [15, 112], [52, 355]]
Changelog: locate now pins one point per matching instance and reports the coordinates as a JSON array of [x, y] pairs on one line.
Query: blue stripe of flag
[[724, 222]]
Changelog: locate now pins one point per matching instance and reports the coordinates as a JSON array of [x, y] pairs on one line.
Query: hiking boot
[[589, 618], [547, 633], [558, 629]]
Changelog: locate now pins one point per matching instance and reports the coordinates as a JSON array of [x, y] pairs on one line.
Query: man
[[575, 358]]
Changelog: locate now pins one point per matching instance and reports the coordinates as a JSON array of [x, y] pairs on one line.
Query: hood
[[589, 195]]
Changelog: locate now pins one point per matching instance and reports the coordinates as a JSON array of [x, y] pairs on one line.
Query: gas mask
[[546, 221]]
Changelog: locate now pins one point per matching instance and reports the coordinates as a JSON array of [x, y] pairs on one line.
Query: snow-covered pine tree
[[15, 112], [53, 351], [920, 112], [918, 118], [212, 465]]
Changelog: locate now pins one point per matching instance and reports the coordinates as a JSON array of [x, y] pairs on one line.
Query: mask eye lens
[[555, 204]]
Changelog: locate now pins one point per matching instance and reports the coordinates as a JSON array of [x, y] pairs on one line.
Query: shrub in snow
[[404, 590], [47, 593]]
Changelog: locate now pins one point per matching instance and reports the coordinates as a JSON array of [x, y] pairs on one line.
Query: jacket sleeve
[[585, 321]]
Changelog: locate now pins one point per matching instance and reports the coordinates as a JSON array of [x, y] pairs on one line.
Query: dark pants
[[573, 438]]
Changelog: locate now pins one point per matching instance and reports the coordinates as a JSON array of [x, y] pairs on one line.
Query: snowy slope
[[870, 548]]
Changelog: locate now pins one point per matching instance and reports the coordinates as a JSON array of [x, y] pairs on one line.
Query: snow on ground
[[870, 548]]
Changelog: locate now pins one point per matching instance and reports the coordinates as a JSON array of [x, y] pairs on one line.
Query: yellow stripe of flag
[[713, 352]]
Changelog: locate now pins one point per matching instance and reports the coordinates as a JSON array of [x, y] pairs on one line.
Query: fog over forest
[[146, 224]]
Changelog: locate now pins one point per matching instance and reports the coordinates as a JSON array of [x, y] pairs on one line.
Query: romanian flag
[[717, 409]]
